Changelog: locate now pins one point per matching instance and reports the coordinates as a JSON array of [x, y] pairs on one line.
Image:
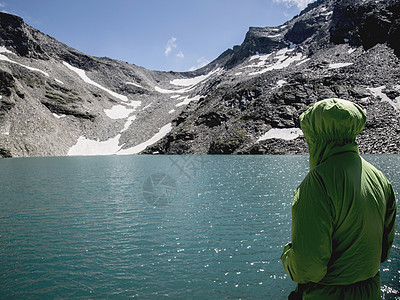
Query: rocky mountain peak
[[16, 35], [29, 42], [358, 23], [367, 23]]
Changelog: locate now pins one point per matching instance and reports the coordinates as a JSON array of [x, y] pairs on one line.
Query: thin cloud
[[170, 45], [301, 4], [201, 62], [180, 55], [2, 8]]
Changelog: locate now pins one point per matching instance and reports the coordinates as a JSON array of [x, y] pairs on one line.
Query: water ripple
[[81, 228]]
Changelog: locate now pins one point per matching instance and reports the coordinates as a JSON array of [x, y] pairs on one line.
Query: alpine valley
[[57, 101]]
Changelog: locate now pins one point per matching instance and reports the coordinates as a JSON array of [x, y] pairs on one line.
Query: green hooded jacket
[[343, 212]]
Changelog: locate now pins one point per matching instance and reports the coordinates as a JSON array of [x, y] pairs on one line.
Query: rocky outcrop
[[257, 40], [15, 35], [366, 23], [7, 84]]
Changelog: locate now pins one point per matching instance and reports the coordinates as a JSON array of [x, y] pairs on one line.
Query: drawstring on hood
[[331, 126]]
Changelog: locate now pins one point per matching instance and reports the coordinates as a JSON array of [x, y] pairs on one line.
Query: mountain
[[56, 100]]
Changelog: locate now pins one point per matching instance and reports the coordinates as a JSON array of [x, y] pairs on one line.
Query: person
[[343, 212]]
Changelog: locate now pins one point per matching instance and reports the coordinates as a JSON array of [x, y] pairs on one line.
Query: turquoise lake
[[152, 227]]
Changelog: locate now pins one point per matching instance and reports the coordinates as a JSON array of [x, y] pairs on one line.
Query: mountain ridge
[[356, 81], [56, 100]]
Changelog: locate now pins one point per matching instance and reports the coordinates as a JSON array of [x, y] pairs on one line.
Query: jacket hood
[[331, 126]]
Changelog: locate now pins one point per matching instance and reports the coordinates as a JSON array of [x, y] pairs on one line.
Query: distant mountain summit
[[363, 23], [55, 100]]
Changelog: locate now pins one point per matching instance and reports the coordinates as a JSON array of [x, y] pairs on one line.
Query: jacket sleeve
[[306, 258], [389, 225]]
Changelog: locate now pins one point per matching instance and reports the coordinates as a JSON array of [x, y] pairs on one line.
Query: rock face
[[366, 24], [345, 49], [56, 100]]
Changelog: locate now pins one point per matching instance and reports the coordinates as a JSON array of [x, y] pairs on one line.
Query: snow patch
[[303, 61], [262, 60], [5, 50], [6, 130], [128, 123], [147, 106], [339, 65], [377, 92], [134, 104], [281, 133], [118, 112], [5, 58], [238, 73], [284, 51], [260, 56], [171, 111], [194, 80], [59, 81], [328, 14], [58, 116], [158, 136], [135, 84], [283, 61], [351, 50], [83, 76], [89, 147], [189, 83], [279, 84], [187, 100], [111, 146], [165, 91]]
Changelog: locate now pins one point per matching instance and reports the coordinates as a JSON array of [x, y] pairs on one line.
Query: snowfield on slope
[[188, 83], [118, 112], [378, 92], [88, 147], [282, 60], [194, 80], [5, 58], [281, 133], [81, 73], [339, 65]]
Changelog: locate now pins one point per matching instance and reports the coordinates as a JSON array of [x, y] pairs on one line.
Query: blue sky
[[164, 35]]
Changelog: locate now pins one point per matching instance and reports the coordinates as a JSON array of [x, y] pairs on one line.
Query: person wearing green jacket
[[343, 213]]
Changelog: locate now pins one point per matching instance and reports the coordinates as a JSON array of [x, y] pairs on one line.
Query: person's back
[[343, 212]]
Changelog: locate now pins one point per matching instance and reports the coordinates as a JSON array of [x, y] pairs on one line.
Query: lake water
[[197, 227]]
